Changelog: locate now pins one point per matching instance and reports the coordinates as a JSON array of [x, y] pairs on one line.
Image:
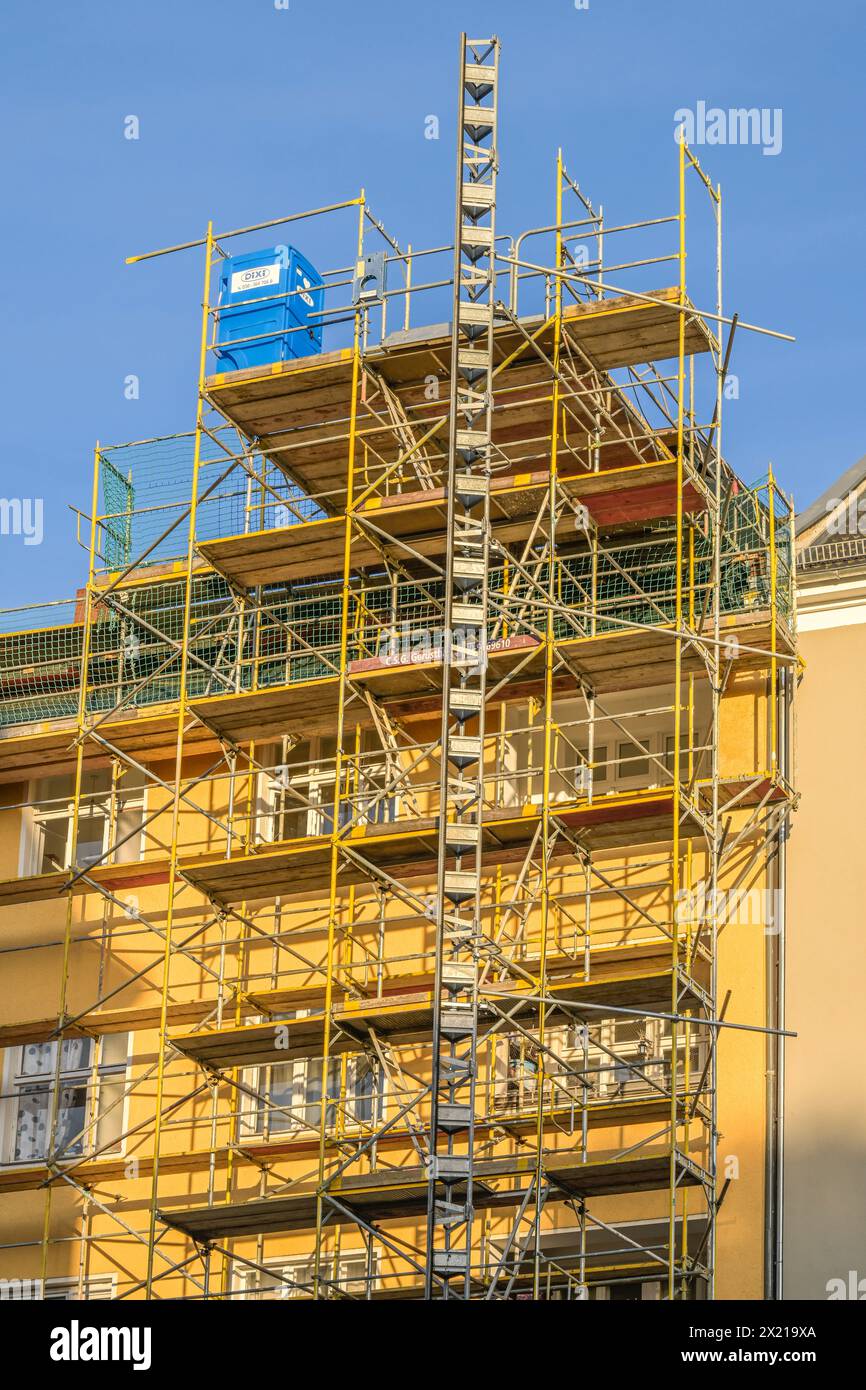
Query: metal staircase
[[458, 931]]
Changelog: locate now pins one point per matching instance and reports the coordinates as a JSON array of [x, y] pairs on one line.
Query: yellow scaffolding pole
[[76, 807], [678, 664], [338, 766], [178, 769]]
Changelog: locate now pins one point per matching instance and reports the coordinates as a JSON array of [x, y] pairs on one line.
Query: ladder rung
[[471, 403], [464, 749], [473, 358], [467, 614], [451, 1167], [464, 703], [453, 1118], [456, 1071], [458, 974], [478, 118], [481, 195], [456, 1024], [474, 314], [472, 235], [479, 72], [469, 440], [462, 837], [460, 885], [450, 1264], [467, 572], [471, 488], [451, 1213], [469, 532]]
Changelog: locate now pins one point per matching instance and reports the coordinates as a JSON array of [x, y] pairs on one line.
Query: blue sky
[[247, 111]]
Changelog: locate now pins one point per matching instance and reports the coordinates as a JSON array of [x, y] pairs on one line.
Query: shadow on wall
[[825, 1219]]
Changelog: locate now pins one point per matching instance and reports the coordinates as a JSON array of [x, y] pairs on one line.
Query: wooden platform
[[626, 659], [149, 732], [617, 660], [116, 878], [637, 493], [298, 411], [300, 868], [131, 1019], [408, 1018], [406, 849], [611, 962], [395, 1194]]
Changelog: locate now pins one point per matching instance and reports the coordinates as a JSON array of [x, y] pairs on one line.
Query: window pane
[[36, 1059], [599, 758], [54, 789], [109, 1125], [632, 761], [76, 1054], [91, 838], [115, 1049], [280, 1094], [71, 1119], [292, 824], [298, 755], [52, 851], [94, 783], [31, 1134], [129, 821], [312, 1110], [669, 756], [364, 1083], [353, 1274]]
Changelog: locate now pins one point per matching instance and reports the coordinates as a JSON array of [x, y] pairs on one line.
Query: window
[[599, 766], [620, 1058], [633, 765], [516, 1074], [297, 796], [48, 839], [96, 1289], [670, 745], [89, 1106], [628, 1291], [294, 1278], [642, 1056], [289, 1096], [376, 769]]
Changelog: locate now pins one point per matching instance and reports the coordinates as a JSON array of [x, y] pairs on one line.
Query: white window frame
[[650, 1291], [314, 779], [514, 1087], [244, 1276], [62, 810], [19, 1081], [257, 1116]]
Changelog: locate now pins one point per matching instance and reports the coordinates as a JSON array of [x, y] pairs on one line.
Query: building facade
[[826, 964], [392, 825]]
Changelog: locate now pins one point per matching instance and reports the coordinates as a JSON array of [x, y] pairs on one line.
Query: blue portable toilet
[[269, 304]]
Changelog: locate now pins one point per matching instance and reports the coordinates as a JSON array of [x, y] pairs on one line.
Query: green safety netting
[[292, 633]]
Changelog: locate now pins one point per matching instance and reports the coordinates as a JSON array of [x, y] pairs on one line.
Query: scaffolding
[[396, 695]]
